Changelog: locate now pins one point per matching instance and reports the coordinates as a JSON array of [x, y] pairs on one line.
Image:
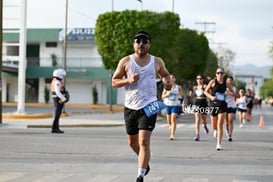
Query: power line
[[206, 26]]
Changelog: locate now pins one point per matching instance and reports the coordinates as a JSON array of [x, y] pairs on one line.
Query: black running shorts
[[136, 120], [218, 107]]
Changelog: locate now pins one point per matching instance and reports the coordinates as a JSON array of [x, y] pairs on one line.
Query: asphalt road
[[101, 154]]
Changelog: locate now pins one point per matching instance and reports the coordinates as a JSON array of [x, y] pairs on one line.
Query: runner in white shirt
[[241, 104], [137, 73], [232, 107], [171, 100]]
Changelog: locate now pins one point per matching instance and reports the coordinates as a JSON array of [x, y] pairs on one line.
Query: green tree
[[190, 55], [266, 90], [184, 51], [115, 30], [46, 94], [211, 66], [95, 95], [239, 84]]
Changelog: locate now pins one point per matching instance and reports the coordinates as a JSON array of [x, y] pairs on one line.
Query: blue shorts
[[172, 109], [231, 110]]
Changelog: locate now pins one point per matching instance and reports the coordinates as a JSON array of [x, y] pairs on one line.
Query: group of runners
[[219, 99]]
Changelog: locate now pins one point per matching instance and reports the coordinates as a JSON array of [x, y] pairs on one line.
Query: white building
[[253, 82], [44, 52]]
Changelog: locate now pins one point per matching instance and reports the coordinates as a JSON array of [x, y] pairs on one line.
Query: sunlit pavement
[[102, 154]]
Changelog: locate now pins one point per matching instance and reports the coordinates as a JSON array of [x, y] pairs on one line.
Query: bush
[[46, 96]]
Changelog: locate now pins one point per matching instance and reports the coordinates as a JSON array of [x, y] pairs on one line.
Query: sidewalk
[[77, 115], [86, 120]]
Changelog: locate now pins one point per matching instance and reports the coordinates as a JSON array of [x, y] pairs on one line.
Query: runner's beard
[[142, 52]]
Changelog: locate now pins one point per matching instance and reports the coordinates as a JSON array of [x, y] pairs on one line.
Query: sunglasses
[[220, 73], [143, 41], [199, 78]]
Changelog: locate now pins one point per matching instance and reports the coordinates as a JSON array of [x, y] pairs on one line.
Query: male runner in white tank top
[[137, 73]]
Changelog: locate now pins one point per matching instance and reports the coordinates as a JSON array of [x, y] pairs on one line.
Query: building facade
[[86, 74]]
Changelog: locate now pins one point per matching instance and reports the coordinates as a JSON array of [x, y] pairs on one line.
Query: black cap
[[142, 33]]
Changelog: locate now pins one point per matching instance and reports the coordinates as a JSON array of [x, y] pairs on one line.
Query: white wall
[[41, 90], [258, 79], [13, 89], [4, 89], [120, 95], [45, 54], [81, 91], [80, 53]]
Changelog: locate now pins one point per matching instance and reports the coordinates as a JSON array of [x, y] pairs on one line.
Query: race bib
[[172, 97], [220, 97], [153, 108]]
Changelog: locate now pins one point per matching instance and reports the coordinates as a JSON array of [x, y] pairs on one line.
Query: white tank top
[[231, 100], [172, 99], [242, 103], [141, 93]]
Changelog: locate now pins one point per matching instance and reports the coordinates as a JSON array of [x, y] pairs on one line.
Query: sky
[[242, 26]]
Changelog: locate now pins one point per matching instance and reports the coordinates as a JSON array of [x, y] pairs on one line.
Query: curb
[[26, 116], [99, 107], [76, 125], [91, 106]]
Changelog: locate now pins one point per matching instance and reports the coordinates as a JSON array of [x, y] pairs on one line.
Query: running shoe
[[241, 125], [147, 170], [227, 133], [206, 130], [249, 117], [171, 138], [139, 179], [229, 139], [215, 133], [197, 137], [218, 147]]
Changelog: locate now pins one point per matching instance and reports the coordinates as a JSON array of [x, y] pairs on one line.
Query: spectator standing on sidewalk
[[137, 73], [59, 97], [218, 106], [171, 100], [201, 106], [231, 108]]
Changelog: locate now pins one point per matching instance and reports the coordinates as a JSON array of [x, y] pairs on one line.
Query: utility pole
[[1, 40], [141, 4], [207, 28], [22, 59], [219, 53], [65, 38], [110, 80], [219, 46], [206, 24], [65, 47], [173, 6]]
